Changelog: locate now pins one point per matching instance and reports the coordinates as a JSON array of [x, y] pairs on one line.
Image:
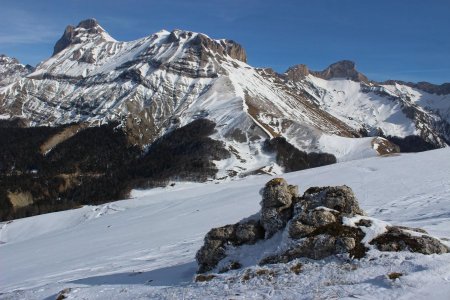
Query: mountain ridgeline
[[101, 117]]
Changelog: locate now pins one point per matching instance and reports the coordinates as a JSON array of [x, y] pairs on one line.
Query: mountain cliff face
[[158, 83]]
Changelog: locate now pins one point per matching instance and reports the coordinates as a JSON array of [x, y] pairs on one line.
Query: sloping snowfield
[[145, 247]]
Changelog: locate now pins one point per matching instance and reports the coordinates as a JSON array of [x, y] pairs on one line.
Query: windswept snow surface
[[145, 247]]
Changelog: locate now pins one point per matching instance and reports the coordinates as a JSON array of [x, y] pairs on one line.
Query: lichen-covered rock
[[307, 221], [210, 254], [299, 230], [276, 205], [318, 242]]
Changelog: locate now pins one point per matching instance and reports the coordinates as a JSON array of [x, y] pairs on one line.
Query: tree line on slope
[[97, 165]]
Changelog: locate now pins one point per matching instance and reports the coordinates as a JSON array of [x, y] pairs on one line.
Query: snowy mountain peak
[[86, 29], [221, 47], [12, 70], [7, 60], [88, 24]]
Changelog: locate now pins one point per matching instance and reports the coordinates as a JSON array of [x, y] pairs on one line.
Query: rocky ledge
[[325, 221]]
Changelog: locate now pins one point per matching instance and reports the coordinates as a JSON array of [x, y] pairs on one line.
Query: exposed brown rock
[[384, 146], [297, 72], [341, 69], [69, 35]]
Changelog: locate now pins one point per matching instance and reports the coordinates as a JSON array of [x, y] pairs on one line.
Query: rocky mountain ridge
[[168, 79], [12, 70]]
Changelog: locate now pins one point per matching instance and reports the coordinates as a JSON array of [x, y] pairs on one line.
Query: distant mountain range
[[144, 92]]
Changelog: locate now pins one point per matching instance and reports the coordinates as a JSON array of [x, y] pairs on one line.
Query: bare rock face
[[297, 72], [325, 221], [222, 47], [342, 69], [69, 35], [384, 146]]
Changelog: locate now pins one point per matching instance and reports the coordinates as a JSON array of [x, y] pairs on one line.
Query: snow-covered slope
[[12, 70], [391, 110], [145, 247]]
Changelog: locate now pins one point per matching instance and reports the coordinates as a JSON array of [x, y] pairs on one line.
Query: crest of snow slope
[[145, 247]]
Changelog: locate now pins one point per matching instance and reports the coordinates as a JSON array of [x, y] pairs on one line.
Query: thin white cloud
[[21, 27]]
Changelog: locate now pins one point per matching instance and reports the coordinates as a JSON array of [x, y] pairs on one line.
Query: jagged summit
[[72, 35], [442, 89], [88, 24], [221, 47], [11, 70]]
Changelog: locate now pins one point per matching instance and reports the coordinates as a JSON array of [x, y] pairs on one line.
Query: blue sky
[[403, 39]]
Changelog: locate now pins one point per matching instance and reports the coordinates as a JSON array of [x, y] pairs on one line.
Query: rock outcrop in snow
[[324, 221]]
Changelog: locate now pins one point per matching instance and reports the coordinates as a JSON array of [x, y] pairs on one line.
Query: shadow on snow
[[169, 276]]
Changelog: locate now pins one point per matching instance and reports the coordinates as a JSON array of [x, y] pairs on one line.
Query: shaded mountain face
[[12, 70]]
